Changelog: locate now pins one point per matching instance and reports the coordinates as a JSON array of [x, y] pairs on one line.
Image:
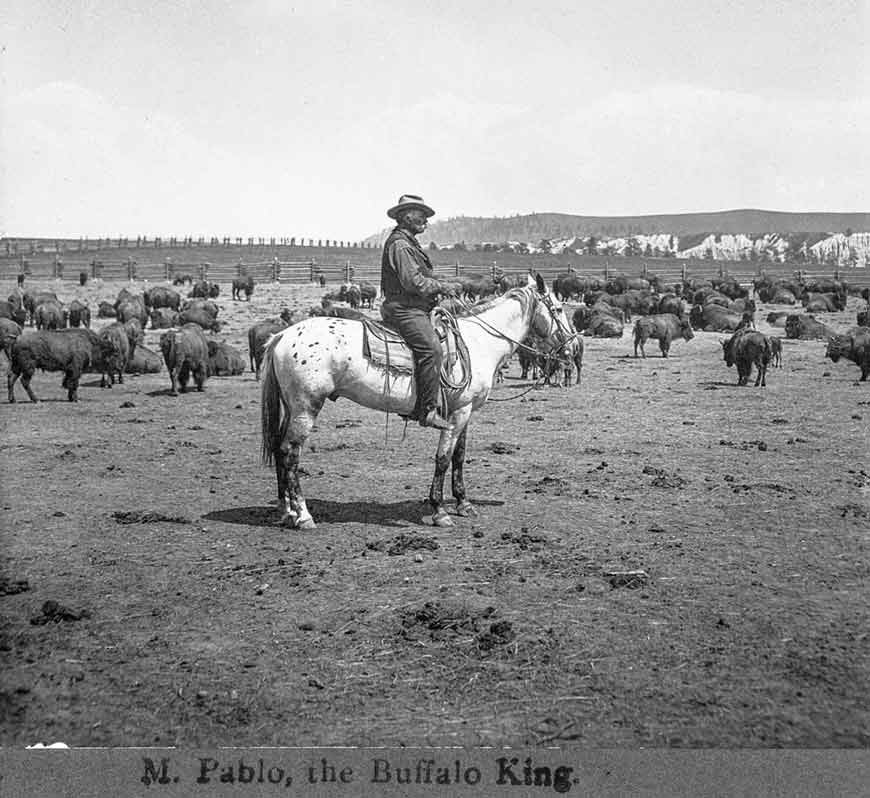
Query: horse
[[321, 358]]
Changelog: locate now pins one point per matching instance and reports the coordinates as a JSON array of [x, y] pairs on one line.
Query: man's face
[[415, 221]]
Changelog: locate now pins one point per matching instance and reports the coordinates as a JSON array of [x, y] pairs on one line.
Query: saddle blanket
[[384, 347]]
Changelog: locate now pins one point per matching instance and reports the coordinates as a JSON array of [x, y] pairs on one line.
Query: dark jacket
[[407, 275]]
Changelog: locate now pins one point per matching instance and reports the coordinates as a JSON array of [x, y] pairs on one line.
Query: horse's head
[[548, 318]]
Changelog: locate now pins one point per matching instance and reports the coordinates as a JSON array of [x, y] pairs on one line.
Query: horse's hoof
[[441, 518], [467, 510], [307, 523]]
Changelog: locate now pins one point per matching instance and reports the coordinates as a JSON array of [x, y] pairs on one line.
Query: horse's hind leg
[[294, 509]]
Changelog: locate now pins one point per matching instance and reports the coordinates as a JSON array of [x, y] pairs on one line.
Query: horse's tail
[[271, 404]]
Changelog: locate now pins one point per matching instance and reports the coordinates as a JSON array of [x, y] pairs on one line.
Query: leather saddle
[[383, 346]]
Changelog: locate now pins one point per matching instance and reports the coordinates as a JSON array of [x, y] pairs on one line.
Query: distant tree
[[591, 245], [545, 245], [459, 246], [648, 250], [848, 232], [433, 247]]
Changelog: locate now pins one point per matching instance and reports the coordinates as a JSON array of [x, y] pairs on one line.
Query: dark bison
[[185, 352], [257, 337], [71, 351], [340, 311], [51, 315], [571, 286], [671, 303], [224, 360], [201, 317], [368, 293], [202, 304], [144, 361], [730, 287], [854, 346], [241, 284], [714, 318], [822, 303], [665, 327], [9, 331], [863, 319], [79, 314], [602, 324], [9, 311], [161, 297], [748, 348], [181, 279], [132, 309], [120, 343], [476, 287], [163, 319], [806, 328], [106, 310], [204, 290]]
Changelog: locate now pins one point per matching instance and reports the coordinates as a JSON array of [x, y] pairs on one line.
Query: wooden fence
[[291, 270]]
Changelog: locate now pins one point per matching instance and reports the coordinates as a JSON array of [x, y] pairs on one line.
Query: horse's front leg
[[447, 446], [463, 507]]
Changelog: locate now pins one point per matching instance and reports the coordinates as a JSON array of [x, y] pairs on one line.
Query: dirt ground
[[183, 615]]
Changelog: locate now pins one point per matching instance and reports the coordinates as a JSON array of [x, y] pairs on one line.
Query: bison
[[71, 351], [258, 335], [79, 314], [748, 348], [714, 318], [241, 284], [224, 360], [161, 297], [863, 319], [368, 294], [9, 311], [106, 310], [201, 317], [163, 319], [144, 361], [121, 340], [665, 327], [51, 315], [204, 290], [185, 352], [132, 309], [854, 346], [204, 304], [806, 328], [9, 331]]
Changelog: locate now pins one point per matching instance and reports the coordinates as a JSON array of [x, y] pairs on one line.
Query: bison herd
[[61, 338]]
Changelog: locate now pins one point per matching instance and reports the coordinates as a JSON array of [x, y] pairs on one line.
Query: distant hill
[[536, 226]]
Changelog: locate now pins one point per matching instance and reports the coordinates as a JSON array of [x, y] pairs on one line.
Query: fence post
[[347, 271], [684, 272], [276, 270], [311, 272], [606, 270], [203, 272], [643, 270], [457, 268]]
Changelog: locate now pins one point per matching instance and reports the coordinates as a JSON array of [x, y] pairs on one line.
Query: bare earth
[[204, 623]]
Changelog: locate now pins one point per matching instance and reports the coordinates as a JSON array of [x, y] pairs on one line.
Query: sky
[[309, 119]]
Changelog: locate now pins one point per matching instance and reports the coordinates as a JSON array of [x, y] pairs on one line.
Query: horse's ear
[[529, 279], [539, 282]]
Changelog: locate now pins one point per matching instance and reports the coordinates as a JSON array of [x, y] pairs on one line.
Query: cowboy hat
[[407, 201]]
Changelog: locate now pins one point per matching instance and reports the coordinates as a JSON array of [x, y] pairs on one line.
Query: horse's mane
[[520, 294]]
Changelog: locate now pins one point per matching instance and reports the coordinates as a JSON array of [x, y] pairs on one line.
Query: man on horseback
[[410, 293]]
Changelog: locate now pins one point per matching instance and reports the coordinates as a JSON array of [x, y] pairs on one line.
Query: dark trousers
[[416, 329]]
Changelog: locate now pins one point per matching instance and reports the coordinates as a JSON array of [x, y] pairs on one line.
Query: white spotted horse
[[322, 358]]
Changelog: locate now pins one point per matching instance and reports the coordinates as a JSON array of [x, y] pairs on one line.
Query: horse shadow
[[390, 514]]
